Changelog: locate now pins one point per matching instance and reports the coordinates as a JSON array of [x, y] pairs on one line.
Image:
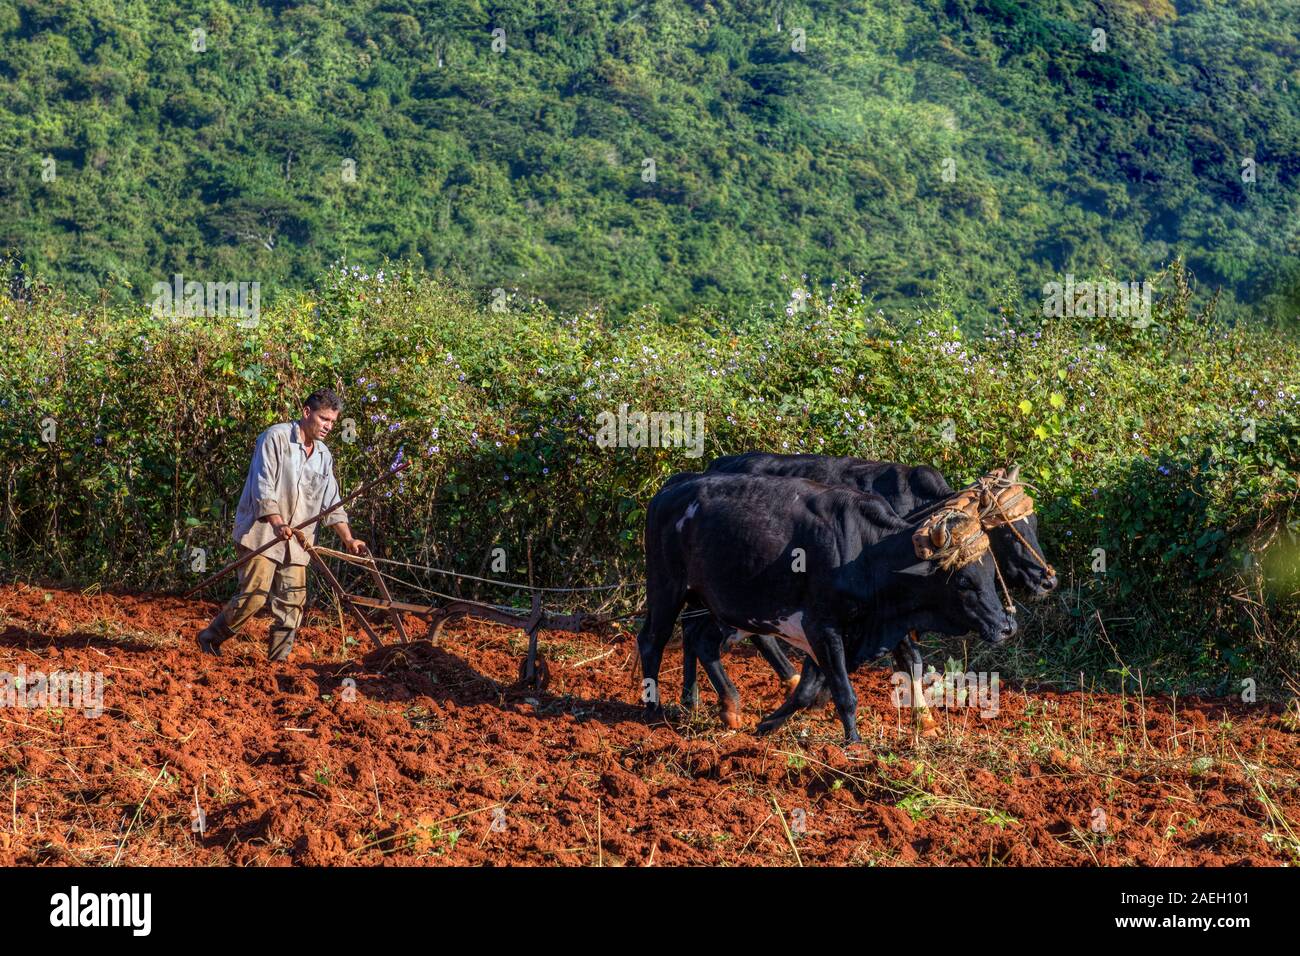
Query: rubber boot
[[280, 644], [214, 635]]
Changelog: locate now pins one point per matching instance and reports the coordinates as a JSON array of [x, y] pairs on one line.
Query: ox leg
[[907, 657], [801, 698], [710, 653], [695, 632], [828, 646], [824, 691], [770, 648], [690, 674], [661, 614]]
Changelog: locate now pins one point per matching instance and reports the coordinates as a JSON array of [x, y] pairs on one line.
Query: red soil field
[[437, 757]]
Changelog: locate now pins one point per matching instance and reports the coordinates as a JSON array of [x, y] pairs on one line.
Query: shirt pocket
[[313, 486]]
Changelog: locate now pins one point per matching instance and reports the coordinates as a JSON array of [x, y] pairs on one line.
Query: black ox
[[911, 491], [831, 570]]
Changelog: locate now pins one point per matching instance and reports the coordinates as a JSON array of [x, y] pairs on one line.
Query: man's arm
[[266, 468], [338, 518], [350, 544]]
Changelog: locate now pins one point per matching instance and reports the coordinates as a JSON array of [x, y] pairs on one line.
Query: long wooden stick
[[240, 562]]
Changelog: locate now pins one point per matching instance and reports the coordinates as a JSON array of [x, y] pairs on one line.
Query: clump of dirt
[[424, 754]]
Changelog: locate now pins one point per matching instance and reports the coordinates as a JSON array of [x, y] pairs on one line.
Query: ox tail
[[636, 672]]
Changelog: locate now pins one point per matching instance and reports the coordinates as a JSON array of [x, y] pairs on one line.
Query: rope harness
[[952, 536], [955, 535], [1003, 501]]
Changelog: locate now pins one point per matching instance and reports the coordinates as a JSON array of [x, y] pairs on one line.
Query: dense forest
[[683, 154]]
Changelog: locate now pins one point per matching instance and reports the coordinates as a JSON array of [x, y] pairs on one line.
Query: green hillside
[[526, 166]]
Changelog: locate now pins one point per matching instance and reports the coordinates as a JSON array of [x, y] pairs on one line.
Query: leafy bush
[[1173, 448]]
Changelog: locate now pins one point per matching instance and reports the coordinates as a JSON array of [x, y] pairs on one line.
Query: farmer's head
[[319, 411]]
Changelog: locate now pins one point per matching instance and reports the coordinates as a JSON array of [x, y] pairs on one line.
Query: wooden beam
[[364, 601]]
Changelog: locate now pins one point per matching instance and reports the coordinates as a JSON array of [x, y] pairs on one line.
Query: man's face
[[319, 423]]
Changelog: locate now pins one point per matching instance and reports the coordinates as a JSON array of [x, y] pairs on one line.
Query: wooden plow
[[532, 670]]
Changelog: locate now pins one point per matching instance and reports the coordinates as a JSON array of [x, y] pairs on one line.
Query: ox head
[[952, 545], [1007, 514]]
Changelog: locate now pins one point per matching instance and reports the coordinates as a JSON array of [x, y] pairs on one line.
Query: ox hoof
[[790, 683], [767, 726], [925, 724], [731, 715]]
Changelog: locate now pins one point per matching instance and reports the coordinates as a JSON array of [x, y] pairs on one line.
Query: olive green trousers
[[263, 583]]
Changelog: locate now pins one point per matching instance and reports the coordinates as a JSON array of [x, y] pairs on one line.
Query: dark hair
[[323, 398]]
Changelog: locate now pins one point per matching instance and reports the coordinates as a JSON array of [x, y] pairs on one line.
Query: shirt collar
[[295, 437]]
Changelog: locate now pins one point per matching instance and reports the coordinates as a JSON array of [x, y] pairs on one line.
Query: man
[[290, 480]]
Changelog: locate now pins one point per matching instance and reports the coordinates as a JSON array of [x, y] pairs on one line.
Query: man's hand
[[280, 526], [350, 544]]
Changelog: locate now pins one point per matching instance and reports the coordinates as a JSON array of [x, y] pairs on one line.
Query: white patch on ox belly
[[736, 636], [690, 513], [790, 630]]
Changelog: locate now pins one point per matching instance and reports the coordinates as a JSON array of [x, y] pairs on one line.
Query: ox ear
[[920, 569]]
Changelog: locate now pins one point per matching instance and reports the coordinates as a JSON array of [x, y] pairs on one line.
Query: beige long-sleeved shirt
[[284, 480]]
